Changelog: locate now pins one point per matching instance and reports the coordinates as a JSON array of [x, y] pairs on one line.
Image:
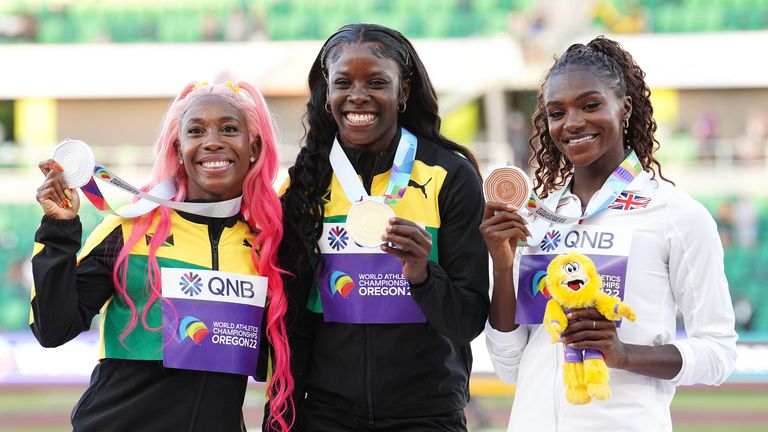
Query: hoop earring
[[626, 132], [327, 106], [403, 109]]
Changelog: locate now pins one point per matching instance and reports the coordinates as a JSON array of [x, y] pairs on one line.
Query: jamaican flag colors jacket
[[130, 389], [384, 363]]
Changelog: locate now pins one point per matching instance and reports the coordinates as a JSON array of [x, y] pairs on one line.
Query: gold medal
[[367, 221]]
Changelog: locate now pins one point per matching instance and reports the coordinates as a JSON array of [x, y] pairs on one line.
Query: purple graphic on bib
[[373, 290], [212, 336], [532, 296]]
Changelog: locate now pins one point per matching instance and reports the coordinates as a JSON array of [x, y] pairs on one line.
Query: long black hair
[[311, 173], [606, 59]]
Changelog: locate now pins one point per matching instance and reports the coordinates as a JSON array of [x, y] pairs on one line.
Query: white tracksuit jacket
[[675, 263]]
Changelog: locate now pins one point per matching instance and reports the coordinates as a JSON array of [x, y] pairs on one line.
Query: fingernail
[[511, 207], [68, 193], [58, 167]]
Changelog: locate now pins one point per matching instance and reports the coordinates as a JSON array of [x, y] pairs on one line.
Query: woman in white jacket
[[655, 247]]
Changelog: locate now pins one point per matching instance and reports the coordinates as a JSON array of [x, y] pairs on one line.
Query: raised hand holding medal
[[78, 169], [506, 185]]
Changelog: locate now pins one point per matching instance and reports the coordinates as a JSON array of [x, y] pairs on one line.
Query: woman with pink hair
[[217, 143]]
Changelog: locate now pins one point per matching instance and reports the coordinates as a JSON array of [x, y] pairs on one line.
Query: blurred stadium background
[[105, 70]]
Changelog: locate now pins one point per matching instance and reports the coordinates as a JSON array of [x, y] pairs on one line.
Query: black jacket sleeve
[[66, 296], [455, 297]]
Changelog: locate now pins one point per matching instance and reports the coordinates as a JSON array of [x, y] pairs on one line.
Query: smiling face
[[364, 91], [216, 148], [572, 280], [585, 118]]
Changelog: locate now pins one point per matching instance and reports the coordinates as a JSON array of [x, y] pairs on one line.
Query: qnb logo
[[338, 238], [550, 241], [191, 284], [227, 287], [594, 240]]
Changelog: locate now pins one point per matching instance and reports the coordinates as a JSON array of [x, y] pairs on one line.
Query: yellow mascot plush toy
[[573, 283]]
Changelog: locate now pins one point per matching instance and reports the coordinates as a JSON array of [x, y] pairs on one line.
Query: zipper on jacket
[[214, 234], [369, 375]]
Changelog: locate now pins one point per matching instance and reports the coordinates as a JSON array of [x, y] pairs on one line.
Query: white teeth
[[215, 164], [582, 139], [360, 118]]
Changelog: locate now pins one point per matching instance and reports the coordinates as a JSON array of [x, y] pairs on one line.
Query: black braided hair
[[311, 173]]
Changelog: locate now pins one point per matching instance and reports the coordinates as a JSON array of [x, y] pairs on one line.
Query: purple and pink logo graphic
[[550, 241], [193, 328], [338, 238], [191, 284], [341, 282]]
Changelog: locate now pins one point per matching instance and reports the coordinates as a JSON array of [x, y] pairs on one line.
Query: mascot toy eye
[[573, 282]]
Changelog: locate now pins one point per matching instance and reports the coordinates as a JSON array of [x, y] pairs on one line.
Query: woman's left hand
[[411, 244], [587, 328]]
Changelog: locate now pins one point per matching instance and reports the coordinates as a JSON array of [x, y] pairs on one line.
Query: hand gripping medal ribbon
[[369, 216], [80, 170], [510, 185]]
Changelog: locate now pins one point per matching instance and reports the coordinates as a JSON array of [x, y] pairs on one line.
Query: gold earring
[[626, 132], [403, 109], [328, 107]]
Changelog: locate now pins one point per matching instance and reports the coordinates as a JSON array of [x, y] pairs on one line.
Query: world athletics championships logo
[[191, 284], [341, 282], [192, 328], [101, 172], [338, 238], [550, 241]]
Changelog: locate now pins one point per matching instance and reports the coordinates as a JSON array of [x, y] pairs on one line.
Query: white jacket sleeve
[[700, 289], [505, 350]]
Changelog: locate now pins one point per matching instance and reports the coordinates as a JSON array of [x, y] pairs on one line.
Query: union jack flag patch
[[629, 201]]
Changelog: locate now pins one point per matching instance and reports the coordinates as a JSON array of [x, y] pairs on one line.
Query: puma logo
[[422, 188]]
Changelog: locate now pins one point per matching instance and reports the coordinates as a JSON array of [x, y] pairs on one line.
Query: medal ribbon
[[81, 170], [613, 187], [398, 176]]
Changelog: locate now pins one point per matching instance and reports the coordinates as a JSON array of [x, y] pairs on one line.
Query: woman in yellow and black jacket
[[382, 343], [216, 144], [130, 389]]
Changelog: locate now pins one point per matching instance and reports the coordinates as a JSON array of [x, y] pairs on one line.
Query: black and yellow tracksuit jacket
[[362, 376], [130, 390]]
